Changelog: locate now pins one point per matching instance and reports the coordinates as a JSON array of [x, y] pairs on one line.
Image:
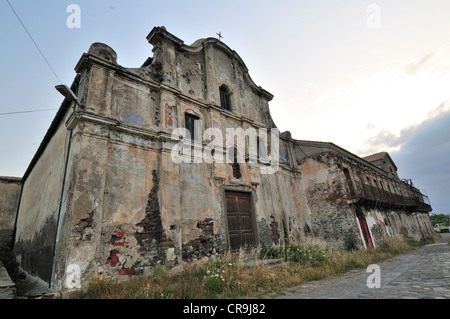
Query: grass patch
[[228, 276]]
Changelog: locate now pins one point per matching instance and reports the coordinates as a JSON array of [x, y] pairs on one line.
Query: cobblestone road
[[421, 274]]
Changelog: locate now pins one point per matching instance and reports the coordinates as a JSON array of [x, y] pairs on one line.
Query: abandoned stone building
[[104, 192]]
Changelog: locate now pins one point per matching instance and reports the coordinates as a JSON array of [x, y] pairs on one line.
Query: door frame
[[239, 189], [361, 218]]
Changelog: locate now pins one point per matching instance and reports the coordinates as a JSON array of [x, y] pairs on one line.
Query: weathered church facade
[[105, 192]]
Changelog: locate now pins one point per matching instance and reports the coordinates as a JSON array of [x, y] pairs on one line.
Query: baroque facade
[[105, 192]]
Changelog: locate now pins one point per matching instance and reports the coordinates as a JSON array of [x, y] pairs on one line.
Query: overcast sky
[[365, 75]]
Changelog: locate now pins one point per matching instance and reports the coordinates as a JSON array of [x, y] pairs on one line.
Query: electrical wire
[[445, 211], [42, 54], [22, 112]]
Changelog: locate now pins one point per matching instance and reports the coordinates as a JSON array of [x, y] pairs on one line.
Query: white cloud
[[381, 105]]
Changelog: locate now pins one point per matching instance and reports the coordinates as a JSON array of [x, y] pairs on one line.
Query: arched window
[[225, 100]]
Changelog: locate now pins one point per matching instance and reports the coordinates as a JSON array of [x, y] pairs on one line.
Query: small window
[[225, 100], [189, 120]]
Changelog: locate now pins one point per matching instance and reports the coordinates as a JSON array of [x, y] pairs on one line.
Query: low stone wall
[[9, 200], [7, 286]]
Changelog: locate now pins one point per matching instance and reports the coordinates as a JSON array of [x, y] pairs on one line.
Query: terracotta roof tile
[[375, 157]]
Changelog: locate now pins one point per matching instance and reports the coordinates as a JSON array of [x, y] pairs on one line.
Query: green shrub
[[213, 281], [228, 276], [410, 241], [272, 253], [308, 255], [350, 242]]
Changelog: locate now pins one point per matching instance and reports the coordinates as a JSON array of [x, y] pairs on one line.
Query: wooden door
[[240, 220], [364, 229]]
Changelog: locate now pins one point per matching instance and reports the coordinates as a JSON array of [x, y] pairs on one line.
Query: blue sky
[[336, 76]]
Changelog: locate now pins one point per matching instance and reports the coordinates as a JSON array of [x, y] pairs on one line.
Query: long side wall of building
[[332, 203], [385, 223], [330, 217], [39, 208]]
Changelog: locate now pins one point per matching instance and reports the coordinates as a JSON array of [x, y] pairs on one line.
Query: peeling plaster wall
[[115, 194], [9, 200], [279, 210], [132, 206], [329, 214], [123, 99], [39, 207], [385, 224], [331, 211]]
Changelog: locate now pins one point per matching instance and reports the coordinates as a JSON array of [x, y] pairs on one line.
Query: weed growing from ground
[[230, 276]]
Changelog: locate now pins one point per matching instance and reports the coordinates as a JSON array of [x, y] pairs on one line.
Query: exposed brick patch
[[152, 239], [120, 234], [118, 239], [113, 259], [126, 271], [204, 245], [339, 200]]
